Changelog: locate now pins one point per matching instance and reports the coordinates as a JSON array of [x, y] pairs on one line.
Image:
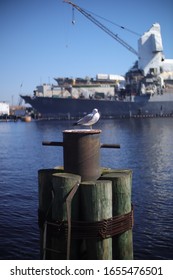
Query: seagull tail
[[75, 123]]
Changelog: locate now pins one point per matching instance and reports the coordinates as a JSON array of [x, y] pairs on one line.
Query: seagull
[[89, 119]]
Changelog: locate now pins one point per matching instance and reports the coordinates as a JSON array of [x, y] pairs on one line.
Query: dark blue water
[[146, 148]]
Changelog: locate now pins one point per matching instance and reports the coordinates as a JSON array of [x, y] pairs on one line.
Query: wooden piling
[[122, 244], [45, 188], [96, 203], [63, 183]]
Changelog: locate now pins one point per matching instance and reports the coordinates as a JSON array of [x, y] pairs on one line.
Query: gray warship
[[146, 90]]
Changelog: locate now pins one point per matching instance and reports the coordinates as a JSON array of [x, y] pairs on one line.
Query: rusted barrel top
[[82, 131]]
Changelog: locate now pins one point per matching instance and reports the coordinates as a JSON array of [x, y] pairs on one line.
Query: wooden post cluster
[[78, 210]]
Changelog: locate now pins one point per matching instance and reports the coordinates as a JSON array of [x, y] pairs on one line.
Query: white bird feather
[[89, 119]]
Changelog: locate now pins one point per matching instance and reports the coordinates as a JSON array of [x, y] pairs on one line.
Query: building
[[4, 109]]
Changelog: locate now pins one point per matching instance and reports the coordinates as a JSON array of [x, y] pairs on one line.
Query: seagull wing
[[85, 119]]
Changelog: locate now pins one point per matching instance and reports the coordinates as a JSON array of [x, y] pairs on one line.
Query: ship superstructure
[[145, 90]]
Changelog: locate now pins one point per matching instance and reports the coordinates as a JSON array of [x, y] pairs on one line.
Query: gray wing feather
[[85, 119]]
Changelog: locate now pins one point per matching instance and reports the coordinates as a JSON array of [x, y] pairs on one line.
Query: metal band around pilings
[[98, 230]]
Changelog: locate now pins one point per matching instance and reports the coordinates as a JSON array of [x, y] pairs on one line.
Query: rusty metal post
[[81, 149], [82, 153]]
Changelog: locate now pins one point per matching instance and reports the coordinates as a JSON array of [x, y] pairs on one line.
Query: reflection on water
[[146, 148]]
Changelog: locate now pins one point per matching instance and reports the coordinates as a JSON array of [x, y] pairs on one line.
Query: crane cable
[[103, 27], [116, 24], [73, 16]]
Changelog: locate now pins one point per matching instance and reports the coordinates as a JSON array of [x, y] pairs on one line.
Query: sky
[[43, 39]]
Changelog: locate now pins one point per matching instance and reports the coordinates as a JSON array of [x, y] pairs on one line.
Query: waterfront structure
[[145, 90]]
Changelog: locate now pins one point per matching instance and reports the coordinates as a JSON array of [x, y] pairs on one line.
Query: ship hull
[[76, 108]]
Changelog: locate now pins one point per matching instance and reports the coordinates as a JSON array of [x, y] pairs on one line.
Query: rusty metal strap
[[42, 219], [98, 230], [68, 205], [102, 229]]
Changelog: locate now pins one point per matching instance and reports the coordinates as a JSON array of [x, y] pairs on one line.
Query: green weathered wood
[[107, 171], [62, 185], [59, 168], [45, 188], [121, 194], [96, 203]]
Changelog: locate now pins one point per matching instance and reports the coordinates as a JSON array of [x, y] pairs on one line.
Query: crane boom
[[104, 28]]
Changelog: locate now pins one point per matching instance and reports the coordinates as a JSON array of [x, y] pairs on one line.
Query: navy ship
[[145, 90]]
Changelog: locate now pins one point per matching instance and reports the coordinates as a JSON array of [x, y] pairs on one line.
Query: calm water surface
[[146, 148]]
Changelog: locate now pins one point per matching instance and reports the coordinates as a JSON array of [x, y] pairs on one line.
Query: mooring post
[[98, 214], [45, 188], [45, 200], [96, 203], [122, 244], [82, 153], [63, 184]]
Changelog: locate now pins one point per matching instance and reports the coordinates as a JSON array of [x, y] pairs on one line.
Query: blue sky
[[39, 41]]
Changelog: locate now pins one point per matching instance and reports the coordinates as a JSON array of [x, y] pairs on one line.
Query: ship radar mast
[[104, 28]]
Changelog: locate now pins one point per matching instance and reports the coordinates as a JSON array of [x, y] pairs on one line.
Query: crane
[[104, 28]]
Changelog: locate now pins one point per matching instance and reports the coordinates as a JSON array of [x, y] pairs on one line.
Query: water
[[146, 148]]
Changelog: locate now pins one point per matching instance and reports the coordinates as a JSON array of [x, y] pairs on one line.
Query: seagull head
[[95, 111]]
